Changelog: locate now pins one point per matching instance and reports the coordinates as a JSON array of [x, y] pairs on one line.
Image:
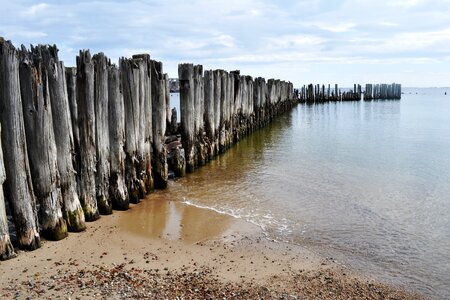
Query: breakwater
[[79, 142], [316, 93]]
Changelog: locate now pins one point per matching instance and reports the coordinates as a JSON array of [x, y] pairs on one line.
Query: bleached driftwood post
[[186, 77], [18, 187], [130, 85], [62, 126], [145, 136], [118, 189], [6, 248], [86, 127], [159, 163], [41, 145], [102, 134]]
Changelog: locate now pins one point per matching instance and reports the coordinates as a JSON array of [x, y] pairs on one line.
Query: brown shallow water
[[159, 217]]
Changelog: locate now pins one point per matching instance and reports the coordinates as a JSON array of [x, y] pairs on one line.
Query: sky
[[303, 41]]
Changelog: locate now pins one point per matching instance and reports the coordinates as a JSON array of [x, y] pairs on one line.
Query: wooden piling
[[102, 174], [135, 83], [145, 134], [18, 187], [63, 132], [209, 112], [158, 88], [116, 116], [6, 247], [187, 110], [86, 126], [41, 145]]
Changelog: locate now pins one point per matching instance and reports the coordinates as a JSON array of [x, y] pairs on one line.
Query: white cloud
[[36, 9], [314, 39]]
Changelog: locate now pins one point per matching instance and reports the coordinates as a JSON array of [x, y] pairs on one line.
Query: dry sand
[[168, 250]]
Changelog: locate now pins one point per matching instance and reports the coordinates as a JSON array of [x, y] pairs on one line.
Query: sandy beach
[[184, 252]]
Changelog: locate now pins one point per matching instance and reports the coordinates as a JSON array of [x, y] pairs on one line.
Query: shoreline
[[180, 251]]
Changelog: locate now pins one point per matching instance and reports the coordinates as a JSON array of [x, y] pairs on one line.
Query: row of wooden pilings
[[218, 108], [320, 93], [80, 142]]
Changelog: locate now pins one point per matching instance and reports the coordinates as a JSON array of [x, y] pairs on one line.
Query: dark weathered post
[[41, 145], [6, 248], [18, 187], [186, 77], [168, 108], [160, 168], [86, 126], [102, 174], [118, 189]]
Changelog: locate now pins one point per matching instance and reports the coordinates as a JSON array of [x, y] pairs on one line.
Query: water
[[367, 183]]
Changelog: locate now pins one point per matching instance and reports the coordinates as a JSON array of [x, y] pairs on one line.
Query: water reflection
[[158, 217]]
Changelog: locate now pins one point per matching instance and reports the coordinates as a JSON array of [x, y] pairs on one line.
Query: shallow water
[[367, 183]]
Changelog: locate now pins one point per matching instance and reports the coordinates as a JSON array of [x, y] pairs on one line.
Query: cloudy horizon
[[317, 41]]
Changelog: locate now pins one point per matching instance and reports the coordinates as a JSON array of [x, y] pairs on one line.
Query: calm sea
[[367, 183]]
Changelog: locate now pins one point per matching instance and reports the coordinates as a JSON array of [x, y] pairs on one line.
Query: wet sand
[[165, 249]]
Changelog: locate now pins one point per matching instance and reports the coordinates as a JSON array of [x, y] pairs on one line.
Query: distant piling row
[[383, 91], [80, 142], [218, 108], [320, 93]]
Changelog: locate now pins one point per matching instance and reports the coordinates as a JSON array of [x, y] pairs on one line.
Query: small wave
[[271, 228]]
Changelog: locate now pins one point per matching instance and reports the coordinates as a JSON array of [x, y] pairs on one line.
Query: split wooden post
[[86, 126], [41, 145], [117, 188], [102, 174], [18, 187], [6, 248], [63, 130]]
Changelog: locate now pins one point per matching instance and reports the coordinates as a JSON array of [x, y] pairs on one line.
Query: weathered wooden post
[[145, 137], [209, 112], [41, 145], [62, 126], [6, 248], [71, 84], [187, 97], [116, 112], [136, 94], [223, 135], [102, 174], [168, 108], [17, 187], [159, 164], [86, 126], [200, 153], [217, 96]]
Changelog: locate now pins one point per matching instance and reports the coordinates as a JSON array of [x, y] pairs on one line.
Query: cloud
[[36, 9], [296, 40]]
